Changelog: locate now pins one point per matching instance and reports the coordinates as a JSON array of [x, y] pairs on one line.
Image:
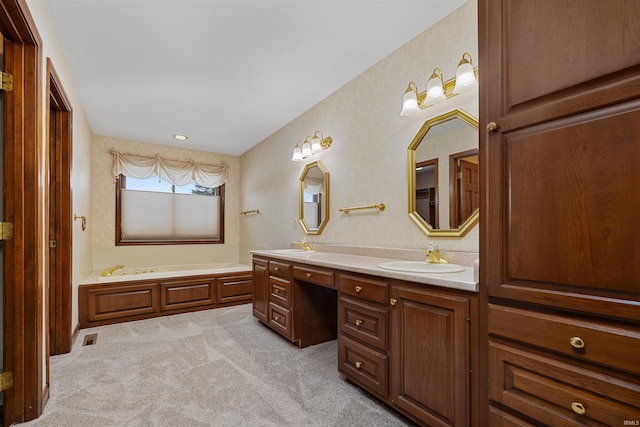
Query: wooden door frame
[[24, 260], [454, 190], [59, 117]]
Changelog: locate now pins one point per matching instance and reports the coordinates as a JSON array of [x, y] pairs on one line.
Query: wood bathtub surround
[[115, 302], [412, 346]]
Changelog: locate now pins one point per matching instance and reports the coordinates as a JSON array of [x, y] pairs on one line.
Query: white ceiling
[[227, 73]]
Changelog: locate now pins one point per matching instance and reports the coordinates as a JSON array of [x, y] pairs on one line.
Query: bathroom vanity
[[409, 339]]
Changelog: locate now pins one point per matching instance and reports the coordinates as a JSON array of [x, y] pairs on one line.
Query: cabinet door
[[430, 355], [260, 289], [561, 81]]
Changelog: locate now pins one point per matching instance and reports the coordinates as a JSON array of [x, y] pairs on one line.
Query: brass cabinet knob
[[358, 288], [358, 364], [576, 342], [492, 126], [276, 290], [276, 318], [393, 301], [578, 408], [358, 322], [308, 275], [277, 268]]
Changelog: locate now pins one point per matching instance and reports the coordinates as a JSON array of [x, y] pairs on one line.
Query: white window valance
[[175, 172]]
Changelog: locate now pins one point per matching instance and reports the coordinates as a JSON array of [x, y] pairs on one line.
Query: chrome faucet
[[109, 271], [433, 255]]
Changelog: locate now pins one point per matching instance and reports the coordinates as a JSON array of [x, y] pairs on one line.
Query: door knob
[[492, 126]]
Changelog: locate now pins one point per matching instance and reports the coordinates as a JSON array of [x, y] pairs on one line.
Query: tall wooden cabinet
[[560, 242]]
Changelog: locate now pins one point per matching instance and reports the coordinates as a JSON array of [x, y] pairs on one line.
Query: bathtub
[[141, 273]]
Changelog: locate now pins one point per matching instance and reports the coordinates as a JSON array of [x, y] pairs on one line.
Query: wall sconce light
[[310, 146], [439, 90]]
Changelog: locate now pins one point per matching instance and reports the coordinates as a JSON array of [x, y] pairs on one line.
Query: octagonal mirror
[[314, 198], [443, 175]]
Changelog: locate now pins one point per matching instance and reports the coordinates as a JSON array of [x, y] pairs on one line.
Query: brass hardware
[[393, 301], [84, 220], [255, 211], [6, 380], [358, 364], [53, 244], [434, 257], [578, 408], [109, 271], [358, 289], [358, 322], [576, 342], [379, 206], [277, 268], [492, 126], [6, 230], [276, 290], [308, 275], [276, 318], [6, 83]]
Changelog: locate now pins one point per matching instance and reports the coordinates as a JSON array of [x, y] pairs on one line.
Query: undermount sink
[[421, 267], [291, 251]]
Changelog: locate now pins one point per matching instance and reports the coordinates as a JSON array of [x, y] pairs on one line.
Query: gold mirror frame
[[325, 202], [411, 170]]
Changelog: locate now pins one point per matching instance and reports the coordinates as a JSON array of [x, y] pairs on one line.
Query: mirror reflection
[[443, 175], [314, 198]]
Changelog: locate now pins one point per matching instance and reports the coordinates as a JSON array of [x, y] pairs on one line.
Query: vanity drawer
[[318, 276], [364, 287], [281, 269], [603, 344], [550, 390], [280, 319], [363, 365], [280, 291], [363, 321]]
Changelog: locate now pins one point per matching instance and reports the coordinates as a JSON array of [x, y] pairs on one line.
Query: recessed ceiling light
[[180, 137]]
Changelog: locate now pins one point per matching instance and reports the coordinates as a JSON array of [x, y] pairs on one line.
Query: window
[[155, 212]]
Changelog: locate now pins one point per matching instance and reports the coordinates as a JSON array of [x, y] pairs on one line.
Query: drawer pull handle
[[578, 408], [276, 290], [576, 342], [358, 364], [308, 275], [277, 268], [358, 288], [276, 318], [358, 322], [393, 301]]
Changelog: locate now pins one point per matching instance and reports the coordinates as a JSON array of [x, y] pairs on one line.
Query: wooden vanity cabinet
[[363, 346], [559, 237], [431, 360], [296, 301], [260, 288]]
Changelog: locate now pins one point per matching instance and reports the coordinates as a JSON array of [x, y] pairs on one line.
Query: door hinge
[[6, 83], [6, 380], [6, 230]]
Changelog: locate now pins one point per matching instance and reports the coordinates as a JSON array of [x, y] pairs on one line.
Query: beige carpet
[[211, 368]]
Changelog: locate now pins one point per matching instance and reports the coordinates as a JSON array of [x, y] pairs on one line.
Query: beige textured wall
[[368, 159], [105, 253]]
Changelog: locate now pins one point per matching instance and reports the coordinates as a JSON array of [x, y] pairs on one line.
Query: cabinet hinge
[[6, 83], [6, 380], [6, 230]]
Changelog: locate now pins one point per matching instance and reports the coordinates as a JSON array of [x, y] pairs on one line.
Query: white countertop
[[463, 280]]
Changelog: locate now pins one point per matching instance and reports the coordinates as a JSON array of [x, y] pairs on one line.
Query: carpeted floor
[[211, 368]]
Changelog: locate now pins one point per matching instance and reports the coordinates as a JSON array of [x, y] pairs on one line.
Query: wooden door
[[469, 190], [561, 170]]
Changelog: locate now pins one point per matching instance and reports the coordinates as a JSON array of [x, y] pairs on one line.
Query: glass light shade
[[306, 148], [316, 147], [465, 78], [410, 102], [297, 153], [435, 91]]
